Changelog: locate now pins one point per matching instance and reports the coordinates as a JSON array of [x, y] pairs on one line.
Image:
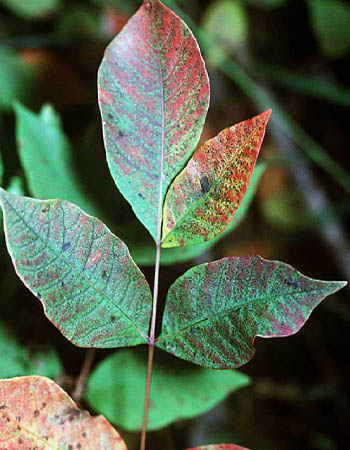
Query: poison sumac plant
[[153, 95]]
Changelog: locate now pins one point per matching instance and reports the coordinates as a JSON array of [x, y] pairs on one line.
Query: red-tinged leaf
[[35, 413], [204, 197], [219, 447], [214, 311], [84, 276], [153, 96]]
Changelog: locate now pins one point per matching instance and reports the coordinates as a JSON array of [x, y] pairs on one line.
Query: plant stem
[[151, 345], [81, 381]]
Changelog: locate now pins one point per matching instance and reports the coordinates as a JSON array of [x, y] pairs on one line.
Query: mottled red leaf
[[153, 96], [203, 198], [214, 311], [35, 413], [84, 276]]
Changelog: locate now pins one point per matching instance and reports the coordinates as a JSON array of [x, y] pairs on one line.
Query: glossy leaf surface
[[153, 96], [35, 413], [116, 389], [46, 157], [84, 275], [17, 360], [203, 198], [214, 311], [219, 447]]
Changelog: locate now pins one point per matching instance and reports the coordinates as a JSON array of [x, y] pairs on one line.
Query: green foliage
[[116, 390], [331, 24], [32, 9], [18, 360], [84, 275], [49, 169], [16, 79], [226, 24], [214, 311]]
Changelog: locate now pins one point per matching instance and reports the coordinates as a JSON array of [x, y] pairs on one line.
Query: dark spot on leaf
[[20, 441], [70, 447], [36, 413], [78, 445], [205, 185], [110, 116], [8, 419], [19, 428], [83, 434], [113, 318], [45, 208], [148, 6], [66, 246], [141, 195], [38, 295], [291, 283], [104, 273], [120, 134], [2, 406]]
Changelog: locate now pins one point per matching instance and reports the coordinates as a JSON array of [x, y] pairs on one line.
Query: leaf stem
[[151, 345], [81, 381]]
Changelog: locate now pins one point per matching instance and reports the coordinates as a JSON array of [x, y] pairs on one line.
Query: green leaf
[[116, 390], [18, 360], [84, 276], [145, 254], [36, 413], [46, 156], [16, 79], [32, 9], [153, 96], [331, 24], [226, 24], [204, 197], [214, 311]]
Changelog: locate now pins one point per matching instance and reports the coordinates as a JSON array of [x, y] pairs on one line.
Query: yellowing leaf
[[204, 197], [35, 413]]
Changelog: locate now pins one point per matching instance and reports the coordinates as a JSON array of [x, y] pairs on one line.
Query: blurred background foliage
[[291, 55]]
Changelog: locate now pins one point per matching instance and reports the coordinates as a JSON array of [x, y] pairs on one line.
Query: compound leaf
[[84, 276], [214, 311], [205, 195], [153, 96], [36, 413], [177, 392], [219, 447]]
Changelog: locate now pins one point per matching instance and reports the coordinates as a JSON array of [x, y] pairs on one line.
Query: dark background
[[296, 54]]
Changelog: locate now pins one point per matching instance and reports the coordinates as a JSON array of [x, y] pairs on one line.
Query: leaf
[[32, 9], [36, 413], [18, 360], [214, 311], [117, 388], [153, 96], [48, 168], [331, 25], [204, 197], [219, 447], [145, 254], [16, 79], [83, 275], [225, 23]]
